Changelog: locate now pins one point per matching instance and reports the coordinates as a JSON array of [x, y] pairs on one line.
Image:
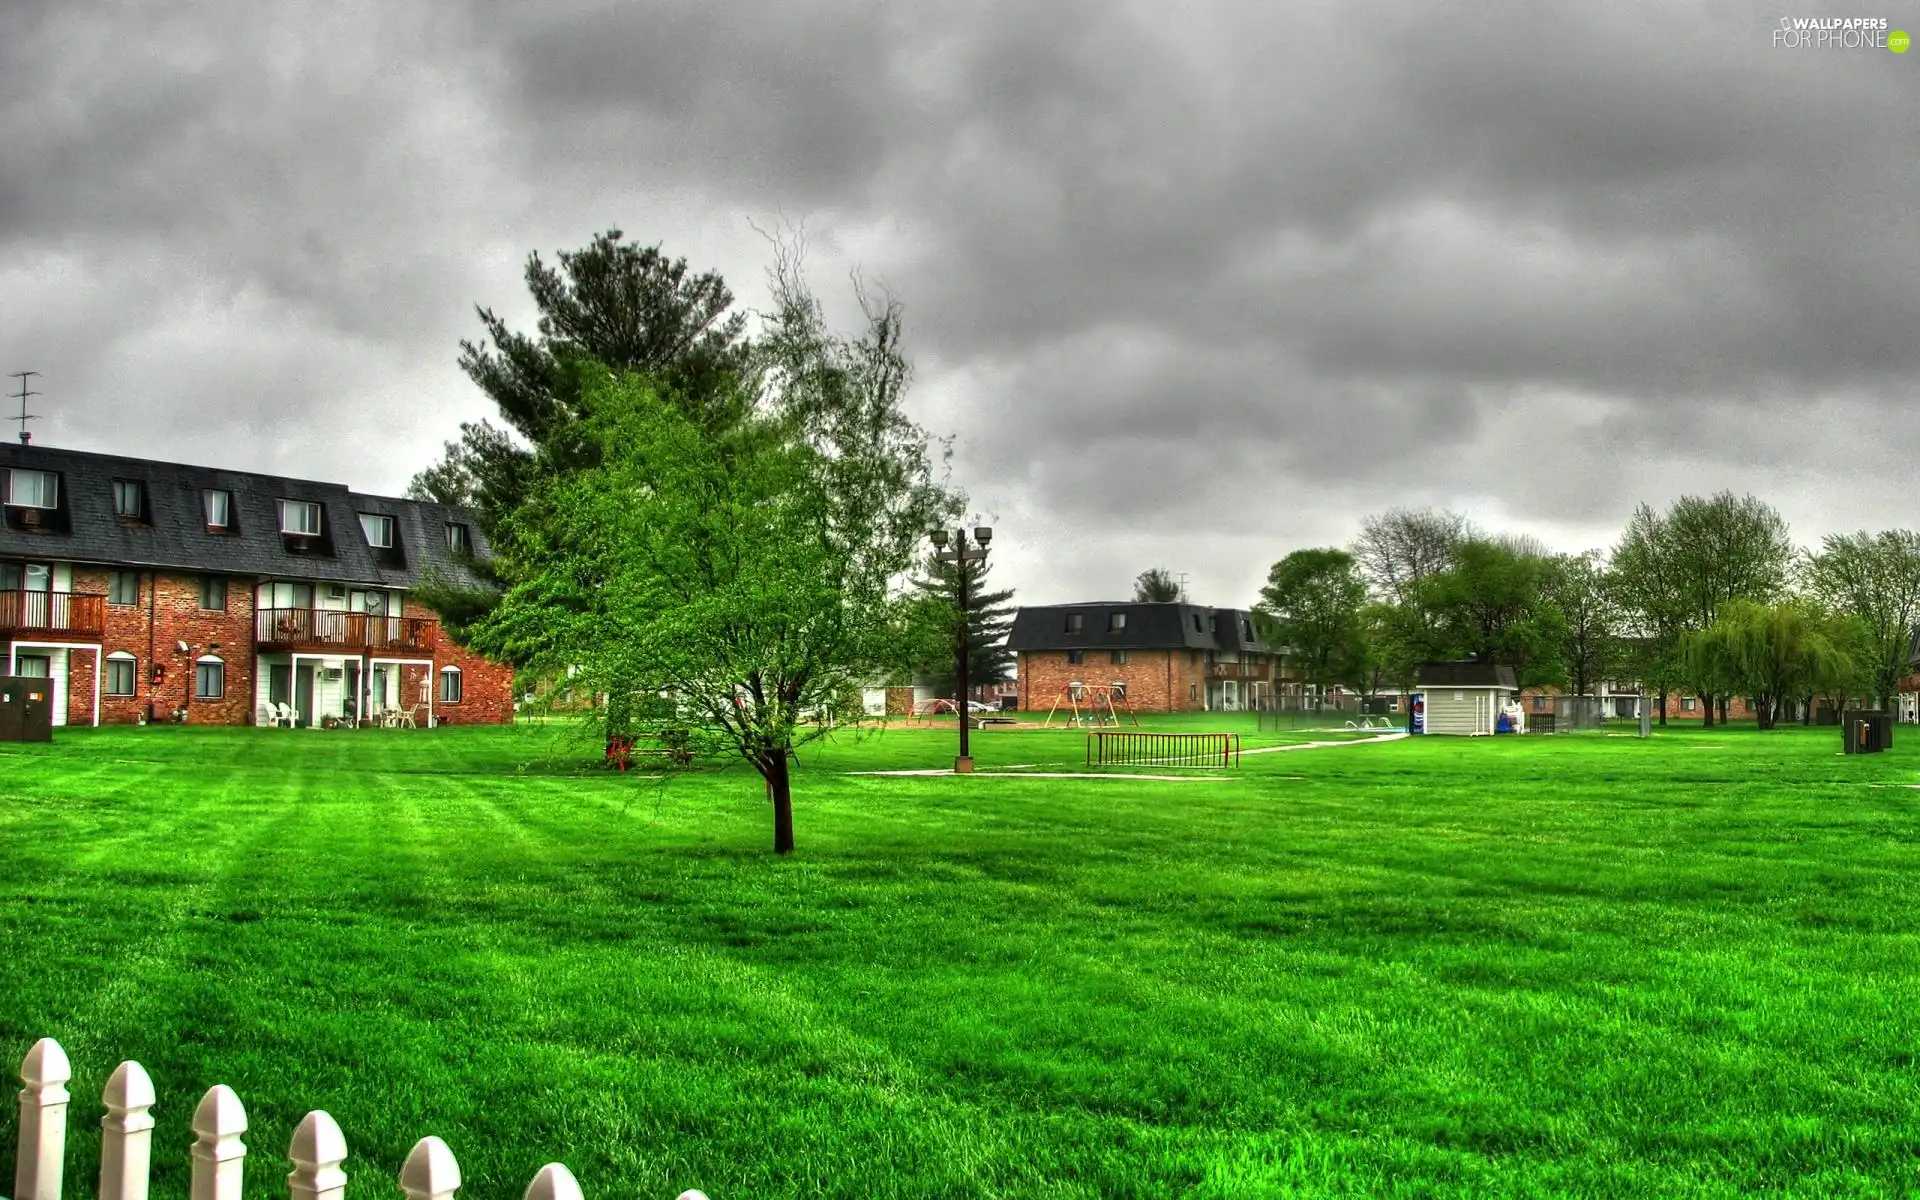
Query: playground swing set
[[1092, 704]]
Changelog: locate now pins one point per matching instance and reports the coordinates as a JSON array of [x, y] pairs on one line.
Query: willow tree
[[747, 570]]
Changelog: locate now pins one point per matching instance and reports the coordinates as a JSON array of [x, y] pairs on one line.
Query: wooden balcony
[[1239, 670], [52, 616], [321, 631]]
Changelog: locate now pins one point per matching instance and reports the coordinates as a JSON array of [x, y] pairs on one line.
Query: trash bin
[[1867, 730], [26, 708]]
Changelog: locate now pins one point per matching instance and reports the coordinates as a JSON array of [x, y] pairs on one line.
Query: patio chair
[[409, 717], [283, 715]]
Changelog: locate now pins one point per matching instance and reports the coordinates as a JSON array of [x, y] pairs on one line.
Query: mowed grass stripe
[[1543, 966]]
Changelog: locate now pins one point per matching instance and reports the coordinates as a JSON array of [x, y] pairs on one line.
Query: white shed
[[1464, 697]]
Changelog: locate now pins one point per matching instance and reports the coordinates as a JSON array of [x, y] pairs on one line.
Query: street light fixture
[[961, 556]]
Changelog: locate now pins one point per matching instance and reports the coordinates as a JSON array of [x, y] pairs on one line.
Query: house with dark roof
[[1163, 657], [150, 590], [1464, 696]]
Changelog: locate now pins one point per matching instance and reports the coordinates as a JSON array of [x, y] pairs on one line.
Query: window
[[120, 674], [219, 506], [1076, 657], [1196, 624], [1193, 689], [1117, 657], [213, 593], [1076, 622], [1246, 628], [459, 540], [379, 530], [1119, 691], [1686, 704], [1539, 702], [1116, 622], [209, 679], [129, 499], [449, 685], [123, 587], [300, 517], [31, 489]]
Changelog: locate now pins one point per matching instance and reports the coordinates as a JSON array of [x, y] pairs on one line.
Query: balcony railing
[[320, 629], [1239, 670], [60, 615]]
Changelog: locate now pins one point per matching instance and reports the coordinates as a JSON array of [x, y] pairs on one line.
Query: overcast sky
[[1192, 285]]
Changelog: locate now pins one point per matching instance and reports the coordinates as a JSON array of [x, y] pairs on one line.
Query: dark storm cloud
[[1198, 283]]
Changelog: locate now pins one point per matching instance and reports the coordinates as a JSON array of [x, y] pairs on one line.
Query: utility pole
[[22, 395]]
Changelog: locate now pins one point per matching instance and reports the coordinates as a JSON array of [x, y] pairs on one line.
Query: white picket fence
[[126, 1136]]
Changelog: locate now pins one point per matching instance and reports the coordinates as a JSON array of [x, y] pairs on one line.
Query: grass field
[[1583, 965]]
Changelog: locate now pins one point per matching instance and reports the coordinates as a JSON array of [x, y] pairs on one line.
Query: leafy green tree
[[1383, 652], [1647, 585], [1493, 603], [1702, 553], [607, 309], [935, 622], [1772, 654], [1583, 591], [1156, 585], [745, 568], [1311, 605], [1876, 579]]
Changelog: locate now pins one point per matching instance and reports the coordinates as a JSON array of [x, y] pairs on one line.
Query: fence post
[[554, 1182], [126, 1133], [218, 1153], [43, 1122], [430, 1172], [317, 1150]]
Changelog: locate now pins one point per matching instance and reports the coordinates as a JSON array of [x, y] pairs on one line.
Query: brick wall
[[486, 688], [174, 601], [1157, 680]]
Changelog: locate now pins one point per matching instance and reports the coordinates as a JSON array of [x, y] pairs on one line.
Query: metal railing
[[1121, 748], [294, 628]]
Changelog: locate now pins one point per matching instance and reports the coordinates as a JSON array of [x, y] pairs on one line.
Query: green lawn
[[1579, 965]]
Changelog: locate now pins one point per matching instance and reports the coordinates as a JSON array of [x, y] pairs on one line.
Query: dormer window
[[129, 499], [219, 508], [299, 518], [31, 489], [459, 538], [1196, 624], [1116, 622], [379, 530], [1076, 622]]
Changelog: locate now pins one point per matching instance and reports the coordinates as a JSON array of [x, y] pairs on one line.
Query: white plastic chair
[[284, 715]]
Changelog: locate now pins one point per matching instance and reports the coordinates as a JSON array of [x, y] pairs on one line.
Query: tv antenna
[[1183, 587], [21, 395]]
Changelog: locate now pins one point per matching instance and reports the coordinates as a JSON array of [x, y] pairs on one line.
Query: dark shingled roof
[[83, 528], [1149, 627], [1465, 673]]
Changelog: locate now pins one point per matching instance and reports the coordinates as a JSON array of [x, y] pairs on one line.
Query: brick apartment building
[[153, 591], [1168, 657]]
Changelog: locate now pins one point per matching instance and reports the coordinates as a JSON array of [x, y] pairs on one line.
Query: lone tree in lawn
[[745, 569], [1875, 578]]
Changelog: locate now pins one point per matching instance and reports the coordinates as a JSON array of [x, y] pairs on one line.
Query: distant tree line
[[1710, 597]]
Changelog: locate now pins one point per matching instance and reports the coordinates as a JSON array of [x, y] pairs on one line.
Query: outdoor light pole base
[[963, 765]]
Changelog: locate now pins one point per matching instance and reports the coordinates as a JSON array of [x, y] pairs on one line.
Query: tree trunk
[[1806, 713], [1726, 702], [1706, 704], [780, 790], [1663, 708]]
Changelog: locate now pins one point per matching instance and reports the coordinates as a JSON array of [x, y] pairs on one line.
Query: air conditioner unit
[[332, 673], [29, 516], [336, 591]]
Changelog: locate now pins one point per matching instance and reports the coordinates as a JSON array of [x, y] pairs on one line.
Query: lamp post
[[961, 556]]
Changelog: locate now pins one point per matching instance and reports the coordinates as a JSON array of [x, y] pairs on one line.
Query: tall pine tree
[[989, 615]]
